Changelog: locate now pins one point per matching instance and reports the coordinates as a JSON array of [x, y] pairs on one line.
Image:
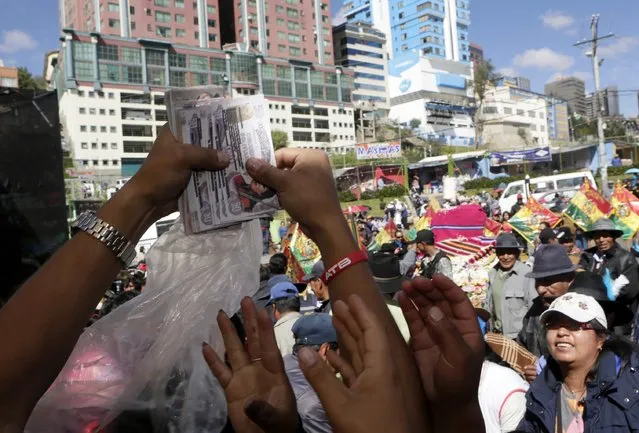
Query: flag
[[526, 221], [623, 215], [410, 235], [493, 228], [303, 252], [431, 210], [587, 206]]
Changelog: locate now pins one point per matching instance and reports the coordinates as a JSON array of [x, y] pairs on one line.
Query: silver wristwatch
[[89, 223]]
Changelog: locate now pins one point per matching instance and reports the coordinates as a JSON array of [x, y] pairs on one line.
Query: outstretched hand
[[258, 394], [446, 341], [371, 399]]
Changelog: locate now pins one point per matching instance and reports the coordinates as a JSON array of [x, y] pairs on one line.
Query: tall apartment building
[[435, 28], [571, 90], [285, 28], [517, 82], [608, 103]]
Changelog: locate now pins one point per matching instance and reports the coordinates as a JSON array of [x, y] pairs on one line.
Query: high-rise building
[[111, 85], [517, 82], [434, 28], [476, 54], [571, 90], [608, 103], [590, 106], [285, 28]]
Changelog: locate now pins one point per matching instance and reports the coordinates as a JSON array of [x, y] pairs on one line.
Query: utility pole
[[603, 164]]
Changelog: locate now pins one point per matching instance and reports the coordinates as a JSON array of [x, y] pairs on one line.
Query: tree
[[483, 79], [28, 81], [280, 139], [414, 124]]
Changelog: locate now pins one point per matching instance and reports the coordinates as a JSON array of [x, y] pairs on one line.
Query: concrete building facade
[[112, 95], [436, 92], [476, 54], [8, 76], [571, 90], [514, 120], [517, 82]]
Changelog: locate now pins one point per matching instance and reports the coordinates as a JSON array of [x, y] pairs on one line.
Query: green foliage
[[28, 81], [414, 123], [619, 171], [346, 196], [392, 191], [485, 183], [280, 139]]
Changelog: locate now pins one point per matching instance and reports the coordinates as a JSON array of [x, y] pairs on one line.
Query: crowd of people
[[380, 342]]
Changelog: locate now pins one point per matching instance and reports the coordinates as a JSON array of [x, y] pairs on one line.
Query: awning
[[435, 161]]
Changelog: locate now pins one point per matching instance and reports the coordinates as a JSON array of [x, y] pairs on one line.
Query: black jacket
[[620, 262], [533, 335]]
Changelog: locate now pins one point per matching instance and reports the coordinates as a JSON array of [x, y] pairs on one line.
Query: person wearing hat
[[547, 236], [610, 260], [590, 382], [320, 290], [435, 261], [518, 205], [387, 274], [317, 332], [285, 309], [509, 294], [567, 240]]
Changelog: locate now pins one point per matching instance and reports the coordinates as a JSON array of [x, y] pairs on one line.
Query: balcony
[[141, 115], [137, 146], [135, 98], [137, 131]]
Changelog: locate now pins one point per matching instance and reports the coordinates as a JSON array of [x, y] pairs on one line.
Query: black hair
[[264, 273], [278, 263], [332, 345], [617, 344], [286, 305], [491, 356]]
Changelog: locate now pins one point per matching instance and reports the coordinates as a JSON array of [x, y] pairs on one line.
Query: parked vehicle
[[541, 186], [156, 230]]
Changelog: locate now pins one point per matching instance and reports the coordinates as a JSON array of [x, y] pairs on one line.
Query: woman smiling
[[591, 382]]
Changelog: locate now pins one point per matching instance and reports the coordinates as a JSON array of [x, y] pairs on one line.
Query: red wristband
[[345, 263]]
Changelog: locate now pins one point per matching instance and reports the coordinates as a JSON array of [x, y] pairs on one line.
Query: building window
[[210, 9], [155, 57], [82, 110], [212, 37], [177, 78], [113, 129], [103, 129], [163, 3], [302, 136], [83, 128], [211, 23], [132, 74], [132, 10], [105, 162], [115, 162], [401, 15], [520, 112], [199, 63], [279, 21], [104, 146], [95, 162], [294, 51], [148, 12], [508, 110], [179, 18], [164, 32], [113, 7], [292, 25], [102, 111], [84, 145], [94, 145], [156, 77], [109, 72], [85, 162], [295, 38], [532, 114], [292, 13], [179, 4], [114, 146], [114, 23], [281, 35]]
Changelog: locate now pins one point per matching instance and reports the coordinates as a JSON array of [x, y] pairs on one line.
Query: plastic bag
[[140, 368]]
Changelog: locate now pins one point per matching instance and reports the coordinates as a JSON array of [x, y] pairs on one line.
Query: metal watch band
[[89, 223]]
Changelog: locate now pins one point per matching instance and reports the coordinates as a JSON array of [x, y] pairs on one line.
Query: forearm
[[462, 418], [51, 309], [335, 242]]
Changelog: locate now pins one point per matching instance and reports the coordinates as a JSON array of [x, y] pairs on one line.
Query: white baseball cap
[[578, 307]]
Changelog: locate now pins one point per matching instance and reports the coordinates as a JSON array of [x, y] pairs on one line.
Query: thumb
[[199, 158], [266, 174], [331, 392]]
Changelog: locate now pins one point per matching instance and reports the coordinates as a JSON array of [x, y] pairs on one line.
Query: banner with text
[[539, 154], [379, 150]]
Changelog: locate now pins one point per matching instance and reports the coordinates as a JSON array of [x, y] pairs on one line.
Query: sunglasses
[[570, 325]]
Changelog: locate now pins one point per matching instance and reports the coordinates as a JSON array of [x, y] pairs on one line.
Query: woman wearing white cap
[[591, 379]]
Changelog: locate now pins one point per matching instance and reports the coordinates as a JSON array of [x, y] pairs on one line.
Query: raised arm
[[40, 324], [305, 186]]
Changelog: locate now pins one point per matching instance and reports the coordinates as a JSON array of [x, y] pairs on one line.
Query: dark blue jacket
[[611, 401]]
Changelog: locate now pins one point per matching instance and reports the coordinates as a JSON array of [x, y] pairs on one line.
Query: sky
[[533, 39]]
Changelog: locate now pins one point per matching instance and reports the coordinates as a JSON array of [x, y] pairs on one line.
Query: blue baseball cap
[[316, 272], [314, 329], [283, 290]]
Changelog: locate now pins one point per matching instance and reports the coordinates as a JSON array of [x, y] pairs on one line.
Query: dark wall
[[32, 195]]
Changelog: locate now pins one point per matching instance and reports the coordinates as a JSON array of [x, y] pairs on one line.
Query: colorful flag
[[304, 253], [431, 210], [526, 221], [623, 215], [587, 206], [493, 228]]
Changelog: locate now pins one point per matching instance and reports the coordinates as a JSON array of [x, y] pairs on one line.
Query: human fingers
[[216, 365], [530, 373], [447, 337], [343, 367], [348, 344], [266, 174], [331, 392], [252, 330], [461, 307], [286, 158], [271, 356], [197, 158], [414, 320], [373, 335], [234, 349], [342, 312]]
